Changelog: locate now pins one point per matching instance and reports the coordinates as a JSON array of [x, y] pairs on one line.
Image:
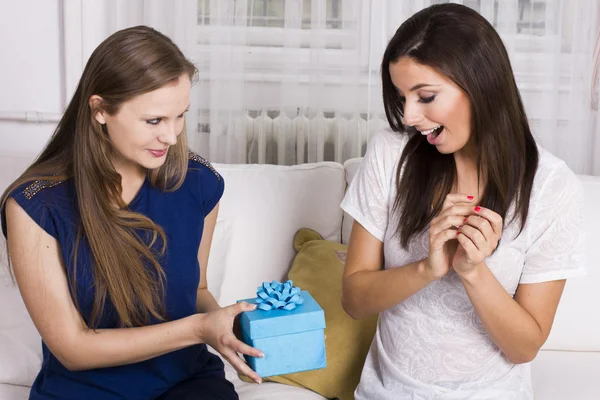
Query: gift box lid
[[259, 323]]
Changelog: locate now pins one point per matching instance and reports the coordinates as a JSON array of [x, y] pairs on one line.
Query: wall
[[31, 74]]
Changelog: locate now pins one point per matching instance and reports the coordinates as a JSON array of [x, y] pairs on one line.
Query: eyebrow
[[163, 117], [421, 85]]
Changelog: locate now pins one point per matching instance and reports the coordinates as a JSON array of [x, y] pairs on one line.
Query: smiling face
[[433, 104], [144, 128]]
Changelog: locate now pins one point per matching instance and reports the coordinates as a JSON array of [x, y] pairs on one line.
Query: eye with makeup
[[424, 100], [156, 121]]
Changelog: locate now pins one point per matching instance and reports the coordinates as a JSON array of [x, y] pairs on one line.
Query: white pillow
[[20, 343], [269, 204], [217, 258], [351, 166]]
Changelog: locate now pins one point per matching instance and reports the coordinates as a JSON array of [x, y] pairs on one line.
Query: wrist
[[425, 272], [198, 325], [472, 275]]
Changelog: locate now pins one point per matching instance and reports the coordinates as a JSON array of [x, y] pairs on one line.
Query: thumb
[[242, 306]]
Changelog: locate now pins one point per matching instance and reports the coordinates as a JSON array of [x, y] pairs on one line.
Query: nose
[[412, 114], [169, 134]]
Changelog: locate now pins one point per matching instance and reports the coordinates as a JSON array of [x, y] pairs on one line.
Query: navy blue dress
[[192, 372]]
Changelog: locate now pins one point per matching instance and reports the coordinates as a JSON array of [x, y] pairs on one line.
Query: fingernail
[[465, 220], [254, 306], [457, 232], [262, 355], [470, 197], [477, 209], [259, 381]]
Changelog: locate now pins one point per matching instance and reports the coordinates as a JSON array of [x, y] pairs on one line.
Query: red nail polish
[[465, 220], [477, 209], [470, 197], [458, 232]]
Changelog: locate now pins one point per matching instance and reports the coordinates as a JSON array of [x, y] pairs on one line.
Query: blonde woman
[[109, 233]]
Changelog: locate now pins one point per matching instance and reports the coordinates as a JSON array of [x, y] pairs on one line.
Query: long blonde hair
[[125, 268]]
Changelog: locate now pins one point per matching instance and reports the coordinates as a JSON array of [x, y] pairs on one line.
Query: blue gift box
[[291, 340]]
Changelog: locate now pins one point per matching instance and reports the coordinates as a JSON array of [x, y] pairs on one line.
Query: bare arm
[[43, 285], [367, 288], [519, 326], [205, 301]]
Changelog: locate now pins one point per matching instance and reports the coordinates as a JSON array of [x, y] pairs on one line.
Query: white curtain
[[293, 81]]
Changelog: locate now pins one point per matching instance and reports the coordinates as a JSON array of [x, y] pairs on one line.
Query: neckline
[[138, 195]]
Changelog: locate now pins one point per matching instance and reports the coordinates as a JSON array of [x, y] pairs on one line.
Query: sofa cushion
[[566, 375], [13, 392], [220, 249], [20, 343], [268, 204]]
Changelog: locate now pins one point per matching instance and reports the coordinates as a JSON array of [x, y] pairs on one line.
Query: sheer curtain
[[293, 81]]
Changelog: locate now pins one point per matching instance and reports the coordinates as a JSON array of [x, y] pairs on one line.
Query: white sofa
[[262, 208]]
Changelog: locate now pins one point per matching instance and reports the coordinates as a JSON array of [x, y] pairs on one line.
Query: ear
[[95, 103]]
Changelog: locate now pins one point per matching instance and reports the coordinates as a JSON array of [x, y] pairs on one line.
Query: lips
[[435, 137], [157, 153]]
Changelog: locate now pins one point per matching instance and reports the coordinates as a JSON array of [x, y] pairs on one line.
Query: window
[[271, 13], [538, 22], [270, 17], [269, 36]]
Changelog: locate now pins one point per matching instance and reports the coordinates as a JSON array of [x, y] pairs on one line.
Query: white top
[[433, 345]]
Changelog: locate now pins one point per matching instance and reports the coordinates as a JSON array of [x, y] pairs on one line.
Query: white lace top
[[433, 345]]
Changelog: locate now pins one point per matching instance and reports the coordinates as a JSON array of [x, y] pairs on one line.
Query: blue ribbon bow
[[276, 295]]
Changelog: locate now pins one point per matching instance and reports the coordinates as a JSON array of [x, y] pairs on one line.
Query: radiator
[[269, 138]]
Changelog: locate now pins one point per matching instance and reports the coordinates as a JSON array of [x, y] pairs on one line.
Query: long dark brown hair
[[125, 269], [459, 43]]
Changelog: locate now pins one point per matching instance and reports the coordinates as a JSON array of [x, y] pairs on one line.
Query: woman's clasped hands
[[461, 237]]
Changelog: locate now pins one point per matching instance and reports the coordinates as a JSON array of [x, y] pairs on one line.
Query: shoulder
[[387, 141], [199, 165], [385, 147], [46, 201], [203, 181], [556, 190], [553, 176], [383, 154], [49, 192]]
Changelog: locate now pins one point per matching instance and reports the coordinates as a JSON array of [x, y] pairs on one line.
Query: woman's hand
[[442, 233], [216, 330], [478, 238]]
